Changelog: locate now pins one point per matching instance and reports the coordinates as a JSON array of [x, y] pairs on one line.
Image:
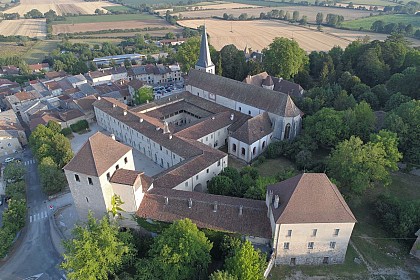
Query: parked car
[[9, 159]]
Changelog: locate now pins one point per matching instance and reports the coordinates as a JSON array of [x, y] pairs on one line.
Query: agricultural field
[[366, 23], [35, 28], [105, 18], [258, 34], [308, 11], [40, 50], [8, 49], [120, 9], [109, 22], [60, 6], [219, 5]]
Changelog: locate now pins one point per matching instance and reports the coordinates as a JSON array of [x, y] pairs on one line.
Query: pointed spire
[[204, 60]]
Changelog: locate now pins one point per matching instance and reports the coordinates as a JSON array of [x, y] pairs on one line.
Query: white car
[[9, 159]]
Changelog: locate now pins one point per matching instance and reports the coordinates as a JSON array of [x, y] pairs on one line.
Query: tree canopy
[[357, 166], [142, 95], [284, 58], [94, 251], [180, 252]]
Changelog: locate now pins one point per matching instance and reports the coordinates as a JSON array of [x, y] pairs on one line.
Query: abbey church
[[182, 133]]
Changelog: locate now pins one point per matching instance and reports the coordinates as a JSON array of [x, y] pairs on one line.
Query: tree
[[378, 26], [284, 58], [221, 185], [361, 120], [395, 101], [404, 121], [187, 54], [233, 63], [295, 16], [52, 179], [222, 275], [54, 126], [14, 172], [326, 126], [143, 94], [319, 18], [181, 252], [16, 190], [357, 166], [94, 251], [246, 263], [304, 159], [116, 202]]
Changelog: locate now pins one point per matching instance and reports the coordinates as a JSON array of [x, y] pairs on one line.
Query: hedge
[[66, 131], [79, 126]]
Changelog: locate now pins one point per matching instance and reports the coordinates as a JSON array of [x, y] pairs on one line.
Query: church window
[[249, 112], [234, 147], [243, 151], [254, 150], [125, 160], [77, 178], [90, 181], [263, 144], [240, 109], [287, 131]]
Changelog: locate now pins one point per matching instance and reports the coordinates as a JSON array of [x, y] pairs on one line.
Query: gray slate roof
[[204, 59], [264, 99]]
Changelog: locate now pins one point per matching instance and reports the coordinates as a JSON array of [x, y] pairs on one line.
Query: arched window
[[234, 147], [243, 151], [263, 144], [254, 150], [287, 131]]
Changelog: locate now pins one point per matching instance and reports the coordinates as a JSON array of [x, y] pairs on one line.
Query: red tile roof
[[97, 155], [252, 221], [310, 198]]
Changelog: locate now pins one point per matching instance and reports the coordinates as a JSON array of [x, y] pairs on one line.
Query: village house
[[36, 68], [17, 100], [12, 134], [155, 74], [172, 42]]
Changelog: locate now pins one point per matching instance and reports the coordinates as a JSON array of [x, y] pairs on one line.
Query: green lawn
[[40, 50], [106, 18], [366, 23]]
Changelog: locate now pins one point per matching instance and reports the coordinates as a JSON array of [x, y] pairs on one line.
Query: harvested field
[[60, 6], [310, 12], [258, 34], [98, 26], [213, 6], [35, 28]]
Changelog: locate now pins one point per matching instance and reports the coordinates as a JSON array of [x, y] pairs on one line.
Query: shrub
[[66, 131], [79, 126]]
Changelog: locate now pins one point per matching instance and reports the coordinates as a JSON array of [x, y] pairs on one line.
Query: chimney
[[113, 136], [165, 127], [125, 113], [141, 120], [240, 210], [232, 116], [113, 105], [276, 201], [189, 203], [215, 207], [166, 200], [99, 98]]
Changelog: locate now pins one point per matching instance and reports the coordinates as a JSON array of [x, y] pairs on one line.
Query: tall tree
[[180, 252], [52, 179], [233, 63], [319, 18], [188, 52], [357, 166], [246, 263], [284, 58], [142, 95], [95, 251]]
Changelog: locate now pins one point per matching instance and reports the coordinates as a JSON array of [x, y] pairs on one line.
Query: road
[[36, 254]]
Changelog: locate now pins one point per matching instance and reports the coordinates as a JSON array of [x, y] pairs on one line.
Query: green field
[[373, 2], [40, 50], [106, 18], [366, 23], [116, 9], [8, 49]]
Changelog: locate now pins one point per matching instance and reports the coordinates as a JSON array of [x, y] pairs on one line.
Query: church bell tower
[[204, 62]]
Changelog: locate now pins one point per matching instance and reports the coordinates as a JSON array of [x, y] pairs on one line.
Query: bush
[[79, 126], [66, 131]]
